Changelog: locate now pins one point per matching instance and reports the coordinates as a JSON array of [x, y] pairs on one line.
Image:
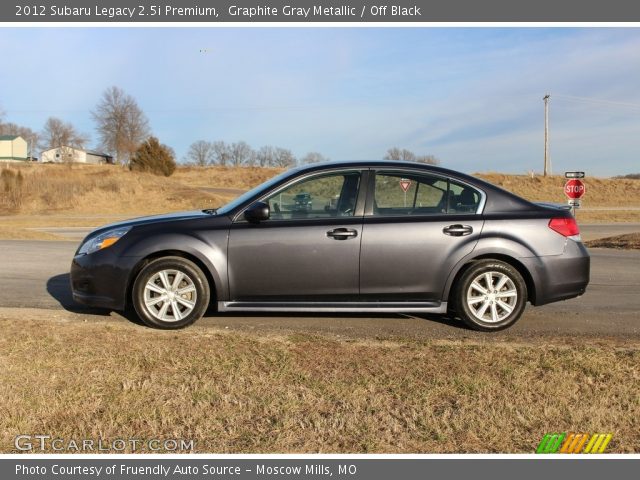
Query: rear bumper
[[100, 280], [560, 277]]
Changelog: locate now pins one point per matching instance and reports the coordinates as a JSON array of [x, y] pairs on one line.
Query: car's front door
[[416, 228], [309, 248]]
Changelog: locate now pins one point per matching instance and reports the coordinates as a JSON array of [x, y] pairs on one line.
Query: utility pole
[[547, 162]]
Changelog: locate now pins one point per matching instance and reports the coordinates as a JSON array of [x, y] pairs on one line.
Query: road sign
[[574, 174], [405, 183], [574, 202], [574, 188]]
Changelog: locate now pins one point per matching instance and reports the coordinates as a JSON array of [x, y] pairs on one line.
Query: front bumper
[[101, 280]]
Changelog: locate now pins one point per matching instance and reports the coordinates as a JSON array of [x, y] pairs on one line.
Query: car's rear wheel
[[170, 293], [490, 295]]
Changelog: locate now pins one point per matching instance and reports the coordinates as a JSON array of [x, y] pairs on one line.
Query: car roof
[[384, 164], [367, 163]]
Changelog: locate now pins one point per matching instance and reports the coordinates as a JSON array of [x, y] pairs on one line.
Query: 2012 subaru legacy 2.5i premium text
[[341, 237]]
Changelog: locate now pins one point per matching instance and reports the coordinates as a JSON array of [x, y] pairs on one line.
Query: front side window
[[399, 193], [326, 196]]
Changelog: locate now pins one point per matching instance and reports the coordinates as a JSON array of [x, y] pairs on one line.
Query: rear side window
[[462, 198], [398, 193]]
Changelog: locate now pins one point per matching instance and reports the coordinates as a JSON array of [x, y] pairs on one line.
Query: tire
[[487, 309], [161, 303]]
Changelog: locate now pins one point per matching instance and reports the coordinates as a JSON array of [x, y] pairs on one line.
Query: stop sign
[[574, 188]]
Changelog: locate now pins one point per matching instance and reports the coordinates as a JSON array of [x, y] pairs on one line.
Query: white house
[[74, 155], [13, 148]]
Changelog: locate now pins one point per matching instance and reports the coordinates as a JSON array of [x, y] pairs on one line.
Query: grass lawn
[[235, 392]]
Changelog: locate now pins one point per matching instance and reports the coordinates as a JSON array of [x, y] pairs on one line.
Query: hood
[[167, 217]]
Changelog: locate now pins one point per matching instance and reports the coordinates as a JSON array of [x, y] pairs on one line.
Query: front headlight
[[104, 240]]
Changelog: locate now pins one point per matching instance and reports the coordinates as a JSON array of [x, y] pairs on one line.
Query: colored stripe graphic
[[598, 443], [574, 443], [550, 443]]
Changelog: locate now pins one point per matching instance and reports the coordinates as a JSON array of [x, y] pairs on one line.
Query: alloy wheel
[[492, 296], [170, 295]]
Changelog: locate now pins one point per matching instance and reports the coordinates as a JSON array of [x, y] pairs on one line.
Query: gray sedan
[[341, 237]]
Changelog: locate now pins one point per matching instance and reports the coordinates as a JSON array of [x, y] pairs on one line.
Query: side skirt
[[353, 307]]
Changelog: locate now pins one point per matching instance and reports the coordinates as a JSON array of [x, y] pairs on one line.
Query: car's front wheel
[[490, 295], [170, 293]]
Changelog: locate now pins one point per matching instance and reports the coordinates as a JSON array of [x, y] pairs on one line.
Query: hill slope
[[110, 190]]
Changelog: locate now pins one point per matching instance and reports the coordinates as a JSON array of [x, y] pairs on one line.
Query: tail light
[[567, 227]]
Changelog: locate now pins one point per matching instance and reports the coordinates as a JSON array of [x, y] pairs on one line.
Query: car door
[[417, 226], [309, 248]]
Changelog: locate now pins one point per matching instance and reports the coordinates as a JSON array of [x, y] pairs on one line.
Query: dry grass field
[[36, 195], [95, 190], [600, 192], [605, 201], [87, 196], [627, 241], [234, 392], [243, 178]]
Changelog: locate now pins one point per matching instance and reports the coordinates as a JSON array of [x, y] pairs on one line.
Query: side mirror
[[257, 212]]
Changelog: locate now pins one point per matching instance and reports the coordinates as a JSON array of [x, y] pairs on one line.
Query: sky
[[470, 96]]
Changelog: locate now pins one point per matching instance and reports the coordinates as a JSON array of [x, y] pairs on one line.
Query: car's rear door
[[308, 250], [416, 227]]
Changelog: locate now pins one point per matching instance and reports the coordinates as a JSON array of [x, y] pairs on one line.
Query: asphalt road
[[34, 275], [591, 231]]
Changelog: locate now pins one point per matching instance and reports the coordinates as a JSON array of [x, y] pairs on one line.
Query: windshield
[[236, 202]]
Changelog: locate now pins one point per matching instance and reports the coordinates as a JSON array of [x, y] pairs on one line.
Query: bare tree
[[240, 153], [283, 158], [121, 124], [265, 157], [314, 157], [392, 154], [252, 159], [221, 154], [201, 153], [430, 159], [63, 136], [57, 133], [396, 153]]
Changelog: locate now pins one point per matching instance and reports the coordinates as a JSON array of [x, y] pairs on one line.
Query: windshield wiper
[[210, 211]]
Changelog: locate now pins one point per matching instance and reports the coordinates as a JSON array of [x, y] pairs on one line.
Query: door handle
[[342, 233], [457, 230]]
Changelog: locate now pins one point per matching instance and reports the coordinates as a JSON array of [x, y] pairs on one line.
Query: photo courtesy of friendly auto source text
[[309, 240]]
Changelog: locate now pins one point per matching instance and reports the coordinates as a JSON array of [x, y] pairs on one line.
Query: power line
[[597, 101]]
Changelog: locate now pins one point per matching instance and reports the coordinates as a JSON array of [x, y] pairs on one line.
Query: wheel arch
[[213, 285], [515, 263]]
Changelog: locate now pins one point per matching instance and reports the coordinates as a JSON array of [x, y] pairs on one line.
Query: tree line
[[203, 152], [123, 132], [121, 125]]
